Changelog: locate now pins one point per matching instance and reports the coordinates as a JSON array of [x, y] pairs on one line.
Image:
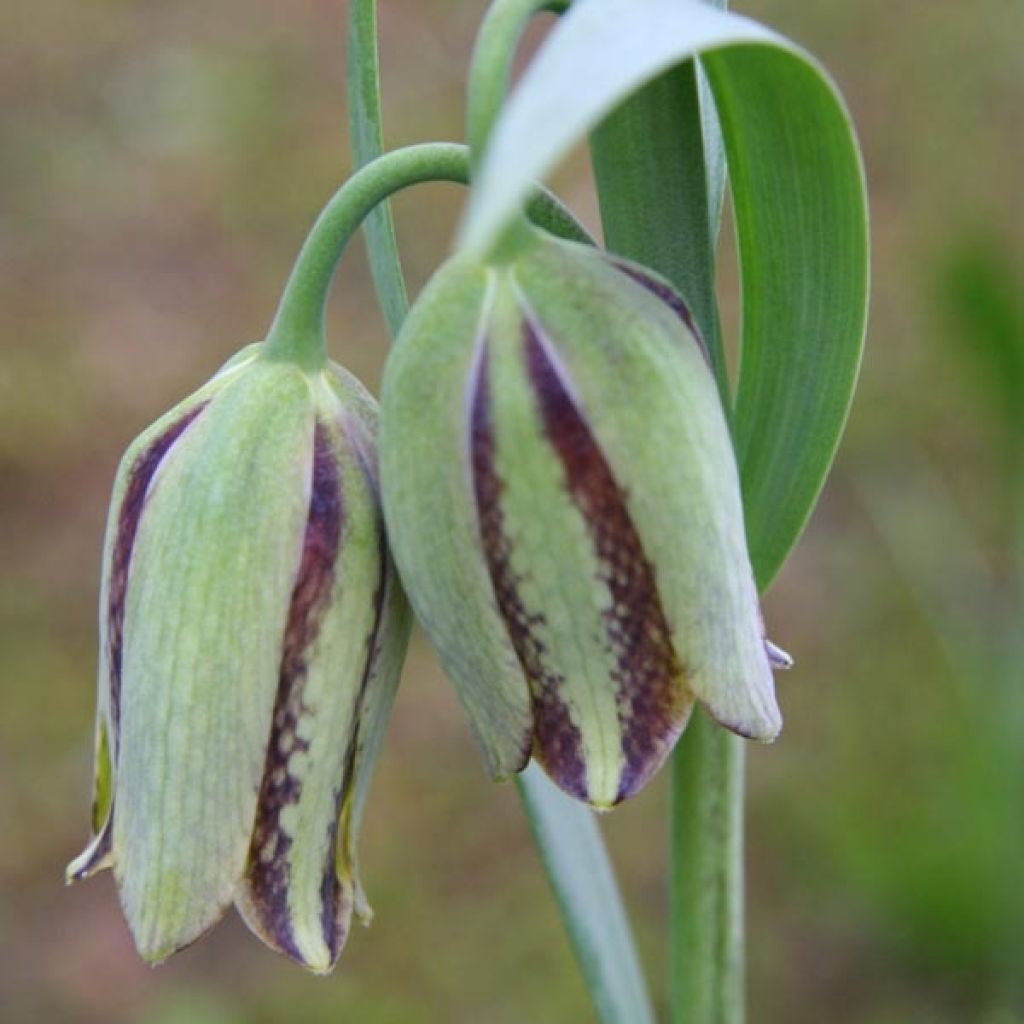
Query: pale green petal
[[300, 890], [374, 713], [211, 578], [560, 595], [98, 854], [431, 510], [651, 400]]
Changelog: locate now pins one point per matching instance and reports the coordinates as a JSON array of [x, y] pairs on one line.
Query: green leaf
[[800, 207], [584, 884], [801, 226], [648, 141], [367, 137]]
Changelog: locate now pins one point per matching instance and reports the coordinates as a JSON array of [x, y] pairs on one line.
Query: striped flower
[[563, 504], [251, 636]]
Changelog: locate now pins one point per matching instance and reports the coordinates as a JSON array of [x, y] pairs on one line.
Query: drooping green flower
[[563, 504], [251, 636]]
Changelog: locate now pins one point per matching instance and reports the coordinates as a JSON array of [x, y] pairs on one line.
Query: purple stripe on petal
[[667, 294], [557, 740], [652, 697], [336, 898], [129, 515], [268, 870]]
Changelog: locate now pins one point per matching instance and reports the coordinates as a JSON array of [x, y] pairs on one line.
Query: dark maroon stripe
[[128, 517], [336, 901], [667, 294], [648, 674], [314, 583], [557, 740]]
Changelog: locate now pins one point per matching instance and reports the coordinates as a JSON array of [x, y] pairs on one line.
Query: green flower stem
[[297, 333], [491, 66], [706, 888], [649, 163], [706, 898], [569, 839]]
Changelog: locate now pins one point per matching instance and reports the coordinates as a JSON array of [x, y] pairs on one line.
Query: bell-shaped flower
[[251, 636], [564, 508]]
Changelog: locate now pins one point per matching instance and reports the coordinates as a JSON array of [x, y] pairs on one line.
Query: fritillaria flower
[[251, 636], [564, 508]]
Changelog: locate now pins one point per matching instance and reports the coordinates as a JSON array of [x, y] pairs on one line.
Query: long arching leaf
[[798, 193]]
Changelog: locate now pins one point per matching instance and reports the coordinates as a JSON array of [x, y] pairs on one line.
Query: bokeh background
[[159, 166]]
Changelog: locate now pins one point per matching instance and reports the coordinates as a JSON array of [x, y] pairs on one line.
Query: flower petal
[[574, 584], [294, 895], [131, 488], [212, 571], [645, 388], [432, 512]]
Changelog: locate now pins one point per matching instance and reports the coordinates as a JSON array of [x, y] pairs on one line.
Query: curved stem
[[491, 65], [297, 332]]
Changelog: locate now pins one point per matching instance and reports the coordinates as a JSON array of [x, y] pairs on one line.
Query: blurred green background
[[159, 166]]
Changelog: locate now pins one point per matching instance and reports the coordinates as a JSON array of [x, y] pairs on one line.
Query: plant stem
[[490, 68], [706, 889], [297, 333], [583, 881], [653, 188], [366, 128]]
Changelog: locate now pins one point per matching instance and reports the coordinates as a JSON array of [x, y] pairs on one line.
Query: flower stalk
[[297, 333], [706, 960]]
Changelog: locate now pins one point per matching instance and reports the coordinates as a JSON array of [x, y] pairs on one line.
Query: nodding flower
[[563, 504], [252, 632]]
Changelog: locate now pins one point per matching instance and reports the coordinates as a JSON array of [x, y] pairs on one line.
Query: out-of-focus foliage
[[160, 165]]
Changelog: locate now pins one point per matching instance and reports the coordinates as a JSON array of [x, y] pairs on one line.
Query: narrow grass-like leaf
[[800, 210], [801, 226], [648, 142], [584, 884], [367, 137]]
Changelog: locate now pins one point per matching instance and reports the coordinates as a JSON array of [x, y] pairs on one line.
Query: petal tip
[[765, 728], [505, 760], [96, 857], [779, 659]]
